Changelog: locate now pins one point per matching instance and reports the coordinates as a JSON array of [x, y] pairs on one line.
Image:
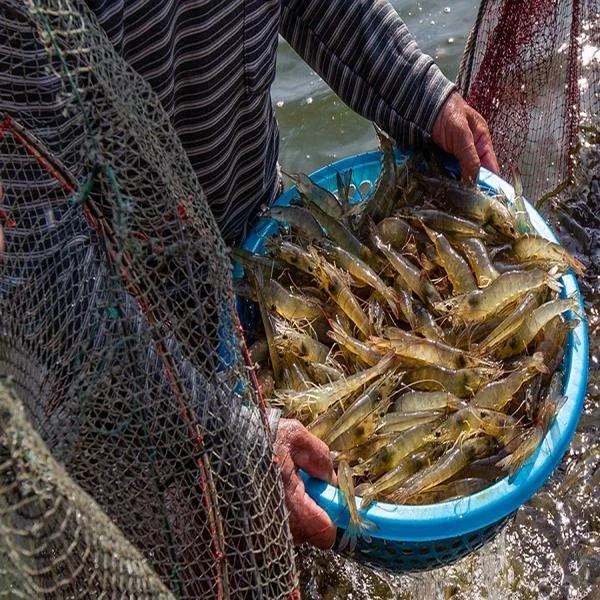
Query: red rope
[[257, 385]]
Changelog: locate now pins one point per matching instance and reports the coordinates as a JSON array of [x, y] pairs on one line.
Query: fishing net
[[532, 69], [135, 456]]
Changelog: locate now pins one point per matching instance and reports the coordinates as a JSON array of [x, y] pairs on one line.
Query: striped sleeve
[[364, 51]]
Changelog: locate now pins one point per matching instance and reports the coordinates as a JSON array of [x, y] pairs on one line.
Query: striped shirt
[[212, 63]]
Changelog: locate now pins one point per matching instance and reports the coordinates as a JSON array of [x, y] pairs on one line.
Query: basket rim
[[464, 516]]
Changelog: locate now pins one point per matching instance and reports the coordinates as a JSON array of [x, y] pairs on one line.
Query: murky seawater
[[551, 549]]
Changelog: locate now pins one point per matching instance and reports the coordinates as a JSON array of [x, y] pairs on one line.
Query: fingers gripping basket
[[414, 538]]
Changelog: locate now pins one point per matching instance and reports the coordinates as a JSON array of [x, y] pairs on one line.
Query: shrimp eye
[[473, 301]]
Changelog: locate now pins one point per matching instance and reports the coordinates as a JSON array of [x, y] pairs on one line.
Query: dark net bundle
[[118, 335], [34, 489], [532, 69]]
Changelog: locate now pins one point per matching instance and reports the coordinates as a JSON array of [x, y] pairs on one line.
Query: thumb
[[311, 454]]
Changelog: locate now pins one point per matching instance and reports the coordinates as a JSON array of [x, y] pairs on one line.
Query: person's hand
[[297, 448], [463, 132]]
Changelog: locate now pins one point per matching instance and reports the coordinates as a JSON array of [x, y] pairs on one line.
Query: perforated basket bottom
[[420, 556]]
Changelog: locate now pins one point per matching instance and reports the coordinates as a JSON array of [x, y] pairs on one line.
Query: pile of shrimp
[[418, 332]]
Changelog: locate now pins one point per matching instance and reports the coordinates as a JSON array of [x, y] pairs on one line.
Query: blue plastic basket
[[415, 538]]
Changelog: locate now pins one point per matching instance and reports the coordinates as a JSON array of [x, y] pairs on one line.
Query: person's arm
[[364, 51]]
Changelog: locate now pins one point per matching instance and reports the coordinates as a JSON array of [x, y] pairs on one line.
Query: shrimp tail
[[353, 532]]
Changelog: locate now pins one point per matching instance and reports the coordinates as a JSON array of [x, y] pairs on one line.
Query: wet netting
[[532, 69], [135, 457]]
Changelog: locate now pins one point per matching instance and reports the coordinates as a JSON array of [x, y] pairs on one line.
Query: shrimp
[[526, 444], [552, 346], [501, 216], [450, 224], [341, 294], [289, 305], [481, 305], [473, 203], [393, 479], [318, 399], [357, 526], [418, 350], [360, 349], [509, 325], [292, 254], [445, 467], [378, 316], [297, 217], [315, 193], [361, 271], [337, 232], [323, 373], [257, 279], [522, 221], [288, 339], [481, 264], [457, 269], [460, 382], [250, 260], [379, 205], [390, 455], [357, 436], [364, 448], [407, 271], [322, 425], [497, 394], [499, 425], [396, 232], [533, 323], [425, 324], [413, 401], [295, 373], [537, 248], [343, 191], [465, 421], [400, 421], [405, 302], [375, 398]]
